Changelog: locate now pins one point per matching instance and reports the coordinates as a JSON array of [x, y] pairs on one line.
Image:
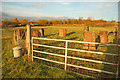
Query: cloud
[[36, 5], [40, 5], [106, 5], [85, 13], [97, 14], [65, 3], [60, 0], [21, 10], [0, 7]]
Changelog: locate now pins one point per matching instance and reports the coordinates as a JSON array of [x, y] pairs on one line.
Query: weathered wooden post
[[86, 28], [17, 37], [118, 42], [28, 42], [20, 33], [14, 37], [41, 32]]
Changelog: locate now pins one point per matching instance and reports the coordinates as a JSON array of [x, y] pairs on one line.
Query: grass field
[[20, 68]]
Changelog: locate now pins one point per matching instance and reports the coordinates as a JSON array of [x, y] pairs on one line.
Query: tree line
[[80, 21]]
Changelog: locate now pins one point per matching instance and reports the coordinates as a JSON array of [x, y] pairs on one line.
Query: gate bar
[[66, 55]]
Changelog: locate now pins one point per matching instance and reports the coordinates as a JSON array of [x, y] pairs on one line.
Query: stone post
[[89, 36], [62, 32]]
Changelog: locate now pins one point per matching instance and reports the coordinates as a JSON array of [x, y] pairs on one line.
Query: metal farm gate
[[65, 56]]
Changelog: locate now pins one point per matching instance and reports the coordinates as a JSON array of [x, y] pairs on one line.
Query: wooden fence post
[[86, 28], [17, 37], [28, 40], [14, 37], [118, 42], [41, 31]]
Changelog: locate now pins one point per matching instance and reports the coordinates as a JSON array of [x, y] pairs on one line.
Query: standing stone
[[89, 36], [34, 33], [102, 37], [41, 32], [62, 32], [86, 28]]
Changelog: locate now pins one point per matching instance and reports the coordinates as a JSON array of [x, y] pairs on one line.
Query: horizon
[[98, 10]]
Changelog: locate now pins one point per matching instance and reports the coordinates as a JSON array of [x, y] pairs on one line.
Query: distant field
[[73, 32], [35, 70]]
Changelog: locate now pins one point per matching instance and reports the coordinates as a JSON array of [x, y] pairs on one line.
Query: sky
[[99, 10]]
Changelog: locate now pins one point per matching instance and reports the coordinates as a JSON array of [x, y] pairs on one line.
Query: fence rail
[[76, 50], [66, 57], [78, 41]]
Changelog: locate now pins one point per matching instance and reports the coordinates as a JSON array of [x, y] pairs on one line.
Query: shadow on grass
[[111, 59], [73, 38], [49, 35], [70, 33], [97, 40]]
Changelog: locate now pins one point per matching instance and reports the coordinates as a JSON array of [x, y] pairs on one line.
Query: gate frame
[[95, 61]]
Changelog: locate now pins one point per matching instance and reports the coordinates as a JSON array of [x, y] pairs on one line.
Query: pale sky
[[104, 9]]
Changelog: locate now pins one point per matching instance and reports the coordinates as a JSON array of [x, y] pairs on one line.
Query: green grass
[[20, 68]]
